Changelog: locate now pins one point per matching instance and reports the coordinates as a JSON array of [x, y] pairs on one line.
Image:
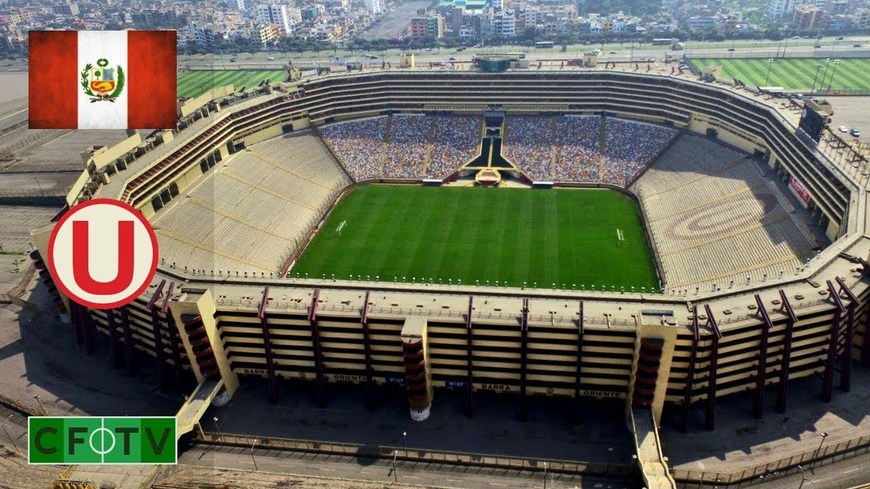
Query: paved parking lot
[[852, 113]]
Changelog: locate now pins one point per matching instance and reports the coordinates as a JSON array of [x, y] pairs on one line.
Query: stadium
[[649, 238]]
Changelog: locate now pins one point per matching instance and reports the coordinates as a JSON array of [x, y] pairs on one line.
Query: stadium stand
[[455, 140], [252, 214], [359, 145], [528, 144], [714, 220], [414, 146], [406, 150], [707, 179], [579, 149], [630, 146]]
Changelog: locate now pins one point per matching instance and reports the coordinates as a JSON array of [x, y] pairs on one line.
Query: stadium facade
[[679, 347]]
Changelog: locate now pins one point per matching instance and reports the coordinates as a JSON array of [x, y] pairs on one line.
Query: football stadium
[[573, 233]]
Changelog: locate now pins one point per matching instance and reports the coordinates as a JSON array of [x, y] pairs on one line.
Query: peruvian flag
[[102, 80]]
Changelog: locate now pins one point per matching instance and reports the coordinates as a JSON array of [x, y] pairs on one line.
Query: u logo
[[102, 254], [82, 266]]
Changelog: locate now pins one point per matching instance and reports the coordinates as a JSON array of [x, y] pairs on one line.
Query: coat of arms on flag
[[100, 82], [73, 74]]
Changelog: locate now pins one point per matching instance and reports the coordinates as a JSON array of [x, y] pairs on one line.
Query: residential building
[[275, 14], [780, 8], [237, 4], [700, 23], [68, 9], [809, 16], [504, 24], [431, 26], [268, 32], [373, 6]]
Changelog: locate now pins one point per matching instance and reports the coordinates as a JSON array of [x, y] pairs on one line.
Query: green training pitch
[[565, 236], [794, 73], [195, 83]]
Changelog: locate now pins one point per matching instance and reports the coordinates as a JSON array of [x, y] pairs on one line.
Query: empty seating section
[[252, 215], [359, 144], [671, 171], [630, 146], [455, 141], [406, 151], [528, 144], [308, 153], [162, 173], [714, 219], [733, 180], [578, 140], [720, 218]]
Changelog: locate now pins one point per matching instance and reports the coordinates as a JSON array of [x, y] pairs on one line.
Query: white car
[[843, 129]]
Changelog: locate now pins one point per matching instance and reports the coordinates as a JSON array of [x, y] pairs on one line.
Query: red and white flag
[[102, 80]]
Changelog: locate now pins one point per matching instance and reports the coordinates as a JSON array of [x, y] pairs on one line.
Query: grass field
[[566, 237], [195, 83], [794, 73]]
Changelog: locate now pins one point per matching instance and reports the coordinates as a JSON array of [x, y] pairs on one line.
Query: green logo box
[[102, 440]]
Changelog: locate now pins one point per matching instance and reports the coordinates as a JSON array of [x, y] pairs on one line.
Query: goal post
[[340, 227], [620, 236]]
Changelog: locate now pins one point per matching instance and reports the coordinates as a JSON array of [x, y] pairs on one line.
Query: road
[[347, 467], [848, 473], [624, 52]]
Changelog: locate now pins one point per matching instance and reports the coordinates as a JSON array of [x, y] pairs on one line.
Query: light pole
[[769, 66], [10, 436], [41, 193], [405, 444], [545, 475], [395, 473], [812, 90], [818, 450], [834, 71], [40, 404], [252, 454], [824, 73], [218, 428]]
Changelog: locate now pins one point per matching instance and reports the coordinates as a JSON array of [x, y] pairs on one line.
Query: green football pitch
[[566, 237], [794, 73], [195, 83]]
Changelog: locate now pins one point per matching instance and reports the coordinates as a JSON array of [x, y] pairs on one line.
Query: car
[[233, 60], [371, 56], [843, 129], [452, 58], [856, 45], [271, 58], [855, 133], [796, 37], [428, 49], [460, 49], [613, 52], [731, 49], [817, 46]]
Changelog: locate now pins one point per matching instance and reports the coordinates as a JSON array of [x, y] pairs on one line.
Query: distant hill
[[634, 7]]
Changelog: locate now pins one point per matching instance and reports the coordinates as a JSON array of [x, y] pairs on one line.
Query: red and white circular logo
[[102, 253]]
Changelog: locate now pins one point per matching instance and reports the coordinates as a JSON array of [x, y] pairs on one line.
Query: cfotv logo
[[102, 440], [102, 253]]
